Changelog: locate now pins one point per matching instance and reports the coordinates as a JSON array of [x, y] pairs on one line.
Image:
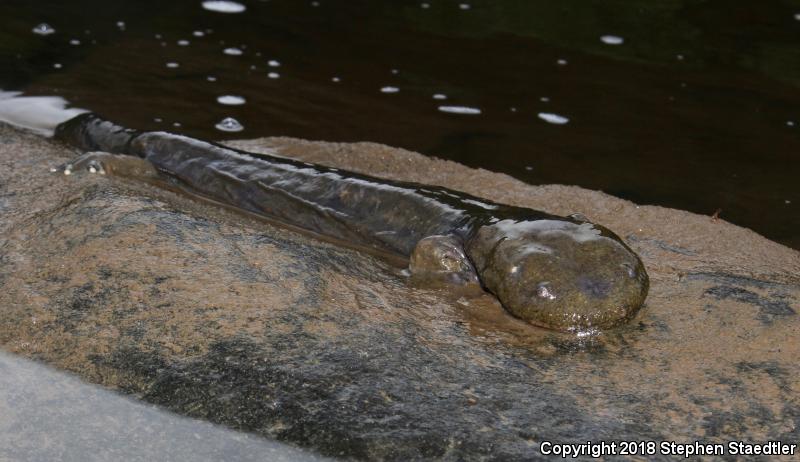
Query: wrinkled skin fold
[[562, 273]]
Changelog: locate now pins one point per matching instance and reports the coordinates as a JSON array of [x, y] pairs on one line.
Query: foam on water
[[460, 110], [553, 118], [230, 100], [43, 29], [223, 7], [229, 124], [40, 114], [612, 40]]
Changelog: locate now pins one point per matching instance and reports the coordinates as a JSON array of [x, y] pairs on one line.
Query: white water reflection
[[440, 96], [224, 7], [390, 90], [552, 118], [233, 51], [460, 110], [40, 114]]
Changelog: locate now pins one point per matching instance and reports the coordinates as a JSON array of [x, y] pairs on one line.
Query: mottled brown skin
[[562, 273]]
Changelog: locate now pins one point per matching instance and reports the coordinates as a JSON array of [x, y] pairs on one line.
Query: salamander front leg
[[441, 260]]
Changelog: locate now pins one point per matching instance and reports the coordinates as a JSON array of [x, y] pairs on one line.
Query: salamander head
[[563, 274]]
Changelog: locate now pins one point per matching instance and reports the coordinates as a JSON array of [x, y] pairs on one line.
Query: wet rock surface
[[213, 314], [47, 415]]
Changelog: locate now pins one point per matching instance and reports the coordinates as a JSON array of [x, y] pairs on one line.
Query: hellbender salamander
[[564, 273]]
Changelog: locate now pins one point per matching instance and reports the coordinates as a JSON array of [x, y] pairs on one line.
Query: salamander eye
[[543, 291]]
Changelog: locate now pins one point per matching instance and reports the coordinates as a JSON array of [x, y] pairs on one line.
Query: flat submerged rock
[[215, 315]]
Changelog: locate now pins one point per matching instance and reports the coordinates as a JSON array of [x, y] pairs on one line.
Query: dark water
[[697, 108]]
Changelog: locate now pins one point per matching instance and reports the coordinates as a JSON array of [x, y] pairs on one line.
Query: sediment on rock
[[216, 315]]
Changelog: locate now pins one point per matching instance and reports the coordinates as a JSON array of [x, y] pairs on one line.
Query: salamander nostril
[[629, 270], [594, 287]]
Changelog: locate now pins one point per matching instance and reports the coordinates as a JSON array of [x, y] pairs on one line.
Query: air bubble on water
[[551, 118], [460, 110], [173, 65], [176, 124], [390, 90], [314, 4], [230, 100], [211, 78], [512, 109], [198, 33], [440, 96], [273, 63], [232, 51], [75, 42], [183, 43], [336, 79], [57, 65], [273, 75], [121, 25], [790, 123], [229, 124], [561, 62], [464, 6], [223, 6], [395, 71], [158, 36], [158, 120], [544, 99], [425, 6], [612, 39], [43, 29]]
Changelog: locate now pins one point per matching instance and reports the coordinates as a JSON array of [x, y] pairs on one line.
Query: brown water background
[[698, 108]]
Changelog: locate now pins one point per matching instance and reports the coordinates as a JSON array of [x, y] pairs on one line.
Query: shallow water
[[687, 104]]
